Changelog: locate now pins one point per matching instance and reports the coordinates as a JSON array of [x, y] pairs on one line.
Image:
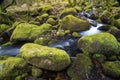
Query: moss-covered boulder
[[115, 31], [28, 32], [102, 43], [112, 69], [45, 57], [74, 24], [80, 67], [117, 23], [107, 17], [12, 67], [68, 11], [116, 12]]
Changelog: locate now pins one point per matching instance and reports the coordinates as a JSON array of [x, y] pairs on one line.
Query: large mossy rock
[[102, 43], [12, 67], [74, 24], [116, 12], [115, 31], [45, 57], [80, 67], [68, 11], [117, 23], [107, 18], [28, 32], [112, 69]]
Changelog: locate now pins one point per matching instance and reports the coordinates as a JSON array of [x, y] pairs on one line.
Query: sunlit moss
[[45, 57]]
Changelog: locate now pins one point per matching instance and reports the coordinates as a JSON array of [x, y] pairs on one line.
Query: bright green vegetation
[[28, 32], [99, 43], [3, 27], [68, 11], [12, 67], [112, 68], [45, 57], [80, 67], [74, 24], [36, 72]]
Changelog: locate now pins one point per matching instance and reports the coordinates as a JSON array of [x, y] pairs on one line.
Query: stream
[[67, 44]]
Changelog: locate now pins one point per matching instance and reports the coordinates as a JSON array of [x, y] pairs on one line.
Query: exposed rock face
[[45, 57], [74, 24], [102, 43]]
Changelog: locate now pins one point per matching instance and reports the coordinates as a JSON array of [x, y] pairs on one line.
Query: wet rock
[[99, 43], [45, 57], [28, 32], [80, 68], [112, 69], [107, 17], [74, 24], [12, 67], [68, 11], [104, 27]]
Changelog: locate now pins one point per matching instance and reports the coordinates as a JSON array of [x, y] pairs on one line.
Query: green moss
[[78, 8], [99, 43], [115, 31], [80, 67], [112, 69], [107, 18], [3, 27], [75, 34], [42, 18], [36, 72], [43, 40], [67, 31], [28, 32], [45, 57], [6, 44], [12, 67], [68, 11], [46, 8], [61, 33], [116, 12], [74, 24], [51, 21], [99, 57], [117, 23]]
